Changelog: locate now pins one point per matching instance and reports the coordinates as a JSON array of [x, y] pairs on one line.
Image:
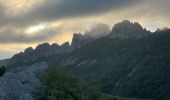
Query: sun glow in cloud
[[54, 24], [35, 28]]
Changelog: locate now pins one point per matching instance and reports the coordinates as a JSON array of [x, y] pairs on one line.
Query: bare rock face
[[127, 29], [79, 40], [41, 51], [21, 83], [46, 49]]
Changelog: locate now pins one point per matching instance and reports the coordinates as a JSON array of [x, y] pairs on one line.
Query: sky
[[25, 23]]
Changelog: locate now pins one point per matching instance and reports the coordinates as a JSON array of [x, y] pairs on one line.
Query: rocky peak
[[127, 29], [77, 36], [42, 46], [163, 29], [65, 44], [29, 50], [77, 40], [54, 45], [41, 51]]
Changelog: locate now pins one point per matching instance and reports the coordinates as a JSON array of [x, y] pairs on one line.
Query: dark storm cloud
[[60, 9]]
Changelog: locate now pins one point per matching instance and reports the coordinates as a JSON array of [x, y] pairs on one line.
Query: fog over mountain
[[98, 31]]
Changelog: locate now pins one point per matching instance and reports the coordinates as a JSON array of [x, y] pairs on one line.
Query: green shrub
[[60, 86], [94, 90]]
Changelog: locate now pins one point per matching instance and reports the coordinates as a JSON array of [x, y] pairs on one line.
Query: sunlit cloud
[[35, 28]]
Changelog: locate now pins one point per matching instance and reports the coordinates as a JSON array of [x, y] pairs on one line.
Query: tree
[[60, 86]]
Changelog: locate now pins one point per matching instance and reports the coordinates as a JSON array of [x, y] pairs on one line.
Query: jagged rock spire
[[127, 29]]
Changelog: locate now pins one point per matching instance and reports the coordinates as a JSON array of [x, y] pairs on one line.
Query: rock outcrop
[[41, 51], [45, 50], [96, 32], [79, 40], [127, 29], [21, 83]]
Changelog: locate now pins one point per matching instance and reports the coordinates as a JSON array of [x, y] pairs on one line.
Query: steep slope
[[151, 75], [129, 68]]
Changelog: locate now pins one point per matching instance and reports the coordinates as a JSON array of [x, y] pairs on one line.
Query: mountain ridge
[[135, 67], [143, 64], [119, 30]]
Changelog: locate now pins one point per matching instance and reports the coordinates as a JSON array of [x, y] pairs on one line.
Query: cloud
[[51, 10], [13, 35], [98, 31], [16, 16]]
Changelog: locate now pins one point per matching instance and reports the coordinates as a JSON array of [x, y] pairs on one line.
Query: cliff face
[[127, 29], [79, 40], [41, 51]]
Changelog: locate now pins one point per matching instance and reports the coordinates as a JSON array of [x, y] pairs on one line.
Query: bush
[[60, 86], [2, 70], [94, 90]]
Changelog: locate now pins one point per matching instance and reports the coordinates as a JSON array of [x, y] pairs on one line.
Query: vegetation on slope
[[129, 68], [59, 85]]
